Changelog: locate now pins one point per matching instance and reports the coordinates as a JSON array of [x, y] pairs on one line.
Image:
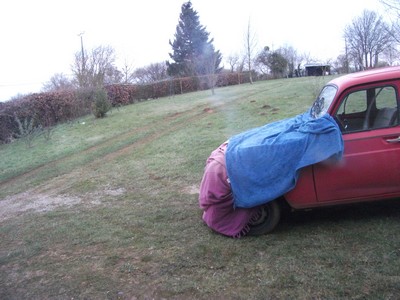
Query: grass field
[[108, 209]]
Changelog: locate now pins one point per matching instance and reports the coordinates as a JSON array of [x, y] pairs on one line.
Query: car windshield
[[324, 100]]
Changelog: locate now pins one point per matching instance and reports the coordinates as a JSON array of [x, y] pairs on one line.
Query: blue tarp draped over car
[[263, 163]]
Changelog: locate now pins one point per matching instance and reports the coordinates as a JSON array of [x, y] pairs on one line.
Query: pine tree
[[192, 49]]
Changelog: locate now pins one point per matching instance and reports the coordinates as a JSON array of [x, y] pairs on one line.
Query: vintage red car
[[366, 107]]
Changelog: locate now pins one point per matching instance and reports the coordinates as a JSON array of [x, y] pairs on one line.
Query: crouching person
[[216, 199]]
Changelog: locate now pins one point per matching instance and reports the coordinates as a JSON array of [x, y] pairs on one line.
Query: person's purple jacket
[[216, 199]]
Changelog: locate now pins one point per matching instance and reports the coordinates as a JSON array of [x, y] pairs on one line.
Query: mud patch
[[115, 192], [25, 202], [191, 190], [266, 106], [45, 202], [273, 110]]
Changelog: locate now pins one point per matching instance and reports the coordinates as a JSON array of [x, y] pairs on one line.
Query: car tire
[[270, 216]]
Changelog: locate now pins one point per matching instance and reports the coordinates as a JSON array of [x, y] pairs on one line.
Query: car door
[[370, 169]]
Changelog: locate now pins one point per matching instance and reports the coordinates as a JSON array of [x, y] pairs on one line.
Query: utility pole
[[83, 73], [82, 51]]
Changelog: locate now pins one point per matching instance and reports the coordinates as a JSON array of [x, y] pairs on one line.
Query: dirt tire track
[[52, 192], [165, 122], [168, 124], [152, 137]]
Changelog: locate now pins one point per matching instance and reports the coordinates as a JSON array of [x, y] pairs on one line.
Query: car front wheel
[[269, 219]]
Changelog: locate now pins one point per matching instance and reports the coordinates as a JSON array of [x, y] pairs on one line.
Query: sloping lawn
[[108, 209]]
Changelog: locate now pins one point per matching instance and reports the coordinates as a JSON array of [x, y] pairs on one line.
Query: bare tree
[[340, 65], [293, 59], [113, 75], [367, 37], [127, 73], [241, 64], [100, 62], [58, 82], [233, 61], [79, 70], [91, 70], [391, 56], [211, 61], [262, 61], [151, 73], [308, 58], [392, 5], [250, 45], [393, 9]]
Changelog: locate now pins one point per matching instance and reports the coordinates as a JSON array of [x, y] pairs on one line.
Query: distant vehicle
[[365, 105]]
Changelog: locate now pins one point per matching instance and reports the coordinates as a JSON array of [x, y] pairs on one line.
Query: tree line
[[193, 55], [369, 42]]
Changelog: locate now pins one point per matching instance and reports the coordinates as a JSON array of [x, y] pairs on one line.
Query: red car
[[366, 107]]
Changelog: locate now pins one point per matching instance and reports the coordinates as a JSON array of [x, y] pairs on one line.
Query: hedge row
[[51, 108], [127, 94], [44, 109]]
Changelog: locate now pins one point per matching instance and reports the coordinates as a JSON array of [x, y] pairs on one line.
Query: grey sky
[[39, 38]]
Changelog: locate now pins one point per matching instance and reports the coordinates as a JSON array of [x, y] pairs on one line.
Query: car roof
[[372, 75]]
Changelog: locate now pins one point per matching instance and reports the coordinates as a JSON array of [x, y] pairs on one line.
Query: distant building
[[317, 69]]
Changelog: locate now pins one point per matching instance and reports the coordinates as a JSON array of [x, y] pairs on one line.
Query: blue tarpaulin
[[263, 163]]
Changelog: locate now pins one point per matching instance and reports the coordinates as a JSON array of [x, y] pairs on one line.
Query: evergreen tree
[[192, 49]]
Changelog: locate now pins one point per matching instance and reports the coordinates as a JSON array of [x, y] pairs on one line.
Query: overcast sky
[[40, 37]]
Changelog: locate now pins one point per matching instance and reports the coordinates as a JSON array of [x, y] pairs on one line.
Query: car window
[[368, 109], [386, 98], [354, 103], [324, 100]]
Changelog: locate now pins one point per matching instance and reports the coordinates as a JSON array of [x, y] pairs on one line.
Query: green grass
[[108, 209]]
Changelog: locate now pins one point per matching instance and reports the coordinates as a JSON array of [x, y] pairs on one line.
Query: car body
[[366, 107]]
